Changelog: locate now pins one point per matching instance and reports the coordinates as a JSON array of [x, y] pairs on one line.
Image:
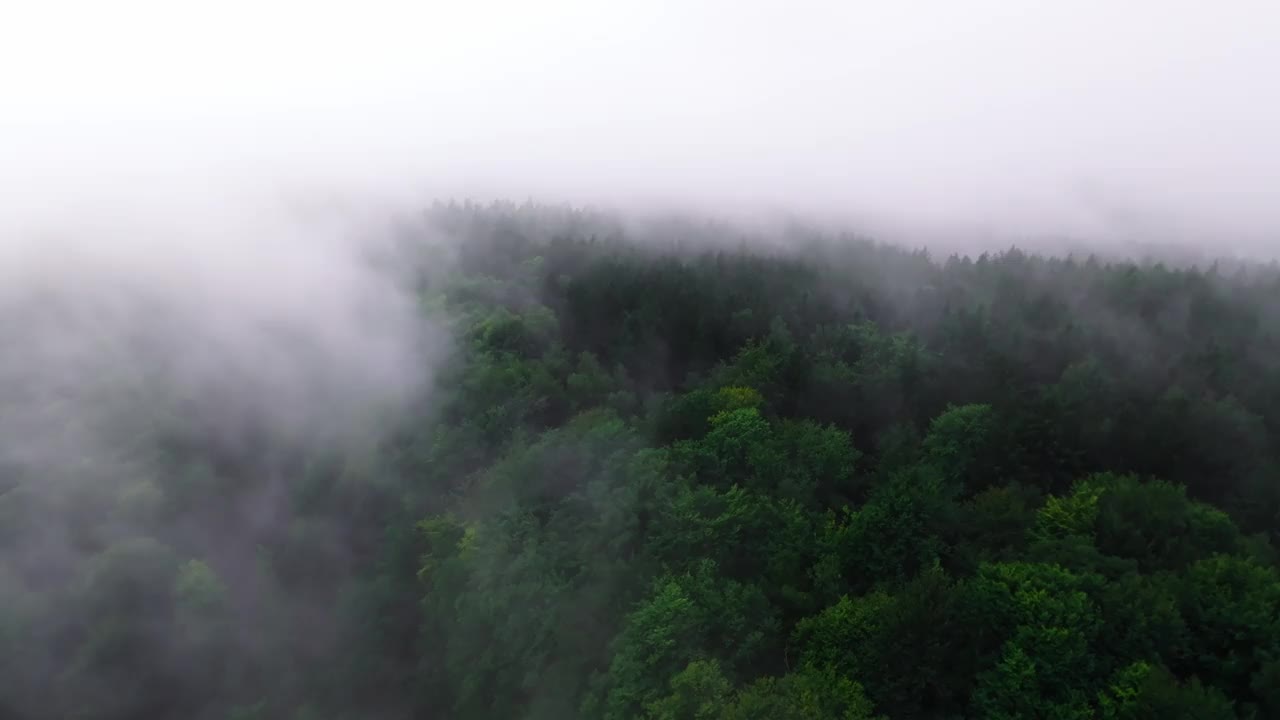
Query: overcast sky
[[1146, 118]]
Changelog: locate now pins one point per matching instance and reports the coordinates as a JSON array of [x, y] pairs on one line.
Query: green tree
[[688, 617], [1142, 691]]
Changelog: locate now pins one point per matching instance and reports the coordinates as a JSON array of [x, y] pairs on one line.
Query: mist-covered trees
[[682, 477]]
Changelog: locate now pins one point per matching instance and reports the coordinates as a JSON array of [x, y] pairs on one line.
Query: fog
[[1149, 121], [206, 179], [197, 202]]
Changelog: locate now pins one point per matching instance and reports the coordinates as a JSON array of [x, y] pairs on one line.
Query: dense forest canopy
[[674, 472]]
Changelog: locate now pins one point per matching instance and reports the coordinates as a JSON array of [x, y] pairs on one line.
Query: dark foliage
[[682, 478]]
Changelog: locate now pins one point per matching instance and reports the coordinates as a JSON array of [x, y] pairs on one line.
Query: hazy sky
[[1138, 118]]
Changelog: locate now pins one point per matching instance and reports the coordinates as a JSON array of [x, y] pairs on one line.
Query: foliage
[[673, 479]]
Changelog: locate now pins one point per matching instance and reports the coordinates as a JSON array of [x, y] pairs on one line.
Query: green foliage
[[806, 694], [958, 444], [689, 479], [1232, 608], [652, 647], [900, 530], [1142, 618], [1034, 627], [701, 692], [1144, 692], [751, 536], [847, 635], [994, 525], [736, 398], [693, 616], [905, 646], [1156, 524]]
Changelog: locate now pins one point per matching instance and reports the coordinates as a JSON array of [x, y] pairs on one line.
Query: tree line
[[690, 476]]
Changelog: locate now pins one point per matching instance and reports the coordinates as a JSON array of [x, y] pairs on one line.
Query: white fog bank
[[1151, 120]]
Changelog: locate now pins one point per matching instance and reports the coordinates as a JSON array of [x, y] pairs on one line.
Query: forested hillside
[[679, 473]]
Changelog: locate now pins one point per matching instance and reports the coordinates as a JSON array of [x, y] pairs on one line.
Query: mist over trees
[[564, 465]]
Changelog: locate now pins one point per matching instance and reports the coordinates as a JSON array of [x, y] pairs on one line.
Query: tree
[[692, 616], [1232, 609], [1038, 624], [701, 692], [1142, 691], [960, 444]]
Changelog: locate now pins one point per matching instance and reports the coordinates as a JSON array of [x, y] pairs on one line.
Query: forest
[[687, 472]]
